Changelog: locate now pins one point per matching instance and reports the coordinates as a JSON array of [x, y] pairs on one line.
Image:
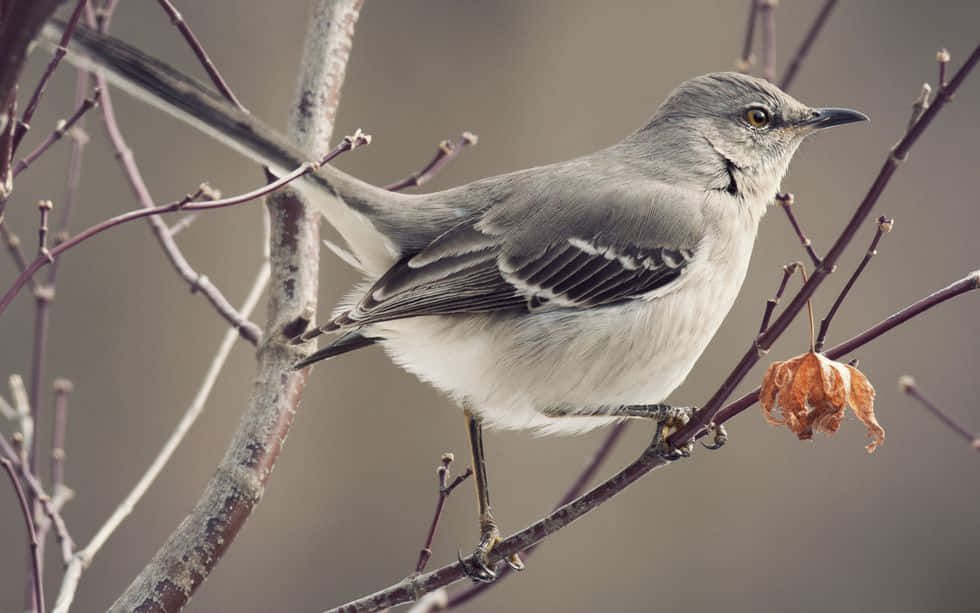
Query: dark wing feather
[[467, 270]]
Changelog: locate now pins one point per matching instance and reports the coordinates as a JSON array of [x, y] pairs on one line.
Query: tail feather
[[351, 341]]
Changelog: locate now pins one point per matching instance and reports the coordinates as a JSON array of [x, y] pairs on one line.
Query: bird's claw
[[480, 571], [720, 437], [478, 566], [662, 447]]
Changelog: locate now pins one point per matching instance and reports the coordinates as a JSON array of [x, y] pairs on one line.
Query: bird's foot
[[478, 566], [674, 418]]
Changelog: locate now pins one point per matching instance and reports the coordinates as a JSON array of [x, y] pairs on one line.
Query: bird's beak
[[830, 117]]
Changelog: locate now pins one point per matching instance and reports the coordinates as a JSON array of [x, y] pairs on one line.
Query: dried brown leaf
[[811, 393]]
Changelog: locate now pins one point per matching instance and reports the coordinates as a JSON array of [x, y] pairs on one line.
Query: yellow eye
[[757, 117]]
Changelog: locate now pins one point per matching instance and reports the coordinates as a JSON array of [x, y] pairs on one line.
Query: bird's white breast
[[511, 367]]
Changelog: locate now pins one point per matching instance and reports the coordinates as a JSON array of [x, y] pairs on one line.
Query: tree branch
[[25, 508], [908, 386], [199, 542], [794, 66]]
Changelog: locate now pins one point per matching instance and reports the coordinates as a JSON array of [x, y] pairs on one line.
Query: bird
[[559, 298]]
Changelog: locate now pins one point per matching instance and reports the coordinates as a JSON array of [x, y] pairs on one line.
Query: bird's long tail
[[356, 209]]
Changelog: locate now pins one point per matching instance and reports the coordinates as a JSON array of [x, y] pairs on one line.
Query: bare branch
[[24, 123], [794, 66], [445, 489], [744, 62], [198, 543], [907, 385], [25, 509], [884, 226], [178, 20], [785, 201], [767, 15], [788, 272], [63, 127], [445, 153]]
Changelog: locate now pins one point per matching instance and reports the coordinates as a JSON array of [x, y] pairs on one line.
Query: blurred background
[[769, 523]]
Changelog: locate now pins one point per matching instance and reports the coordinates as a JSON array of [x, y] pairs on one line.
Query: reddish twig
[[445, 489], [24, 123], [884, 226], [785, 201], [35, 553], [767, 15], [744, 63], [63, 127], [788, 271], [907, 385], [177, 19], [804, 48], [445, 153]]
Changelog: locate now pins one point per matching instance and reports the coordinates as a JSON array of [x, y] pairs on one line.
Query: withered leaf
[[811, 392]]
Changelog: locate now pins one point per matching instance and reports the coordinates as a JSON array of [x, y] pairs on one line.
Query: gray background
[[768, 524]]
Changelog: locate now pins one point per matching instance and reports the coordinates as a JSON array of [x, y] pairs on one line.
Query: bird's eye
[[757, 117]]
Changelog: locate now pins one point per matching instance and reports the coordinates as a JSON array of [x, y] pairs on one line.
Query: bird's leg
[[489, 533]]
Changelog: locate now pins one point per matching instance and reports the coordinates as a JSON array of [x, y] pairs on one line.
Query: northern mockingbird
[[558, 298]]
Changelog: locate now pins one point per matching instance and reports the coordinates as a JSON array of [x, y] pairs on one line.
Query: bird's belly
[[509, 368]]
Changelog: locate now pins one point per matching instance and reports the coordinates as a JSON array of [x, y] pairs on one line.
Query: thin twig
[[804, 48], [63, 127], [178, 20], [907, 385], [35, 553], [12, 241], [445, 489], [24, 123], [182, 224], [788, 271], [62, 387], [744, 62], [79, 139], [767, 15], [349, 142], [884, 226], [445, 153], [785, 201]]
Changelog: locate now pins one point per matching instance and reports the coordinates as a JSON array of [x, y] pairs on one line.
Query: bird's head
[[736, 131]]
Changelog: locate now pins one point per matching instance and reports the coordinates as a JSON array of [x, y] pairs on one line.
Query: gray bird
[[558, 298]]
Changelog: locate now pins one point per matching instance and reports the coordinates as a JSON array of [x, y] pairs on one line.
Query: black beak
[[829, 117]]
